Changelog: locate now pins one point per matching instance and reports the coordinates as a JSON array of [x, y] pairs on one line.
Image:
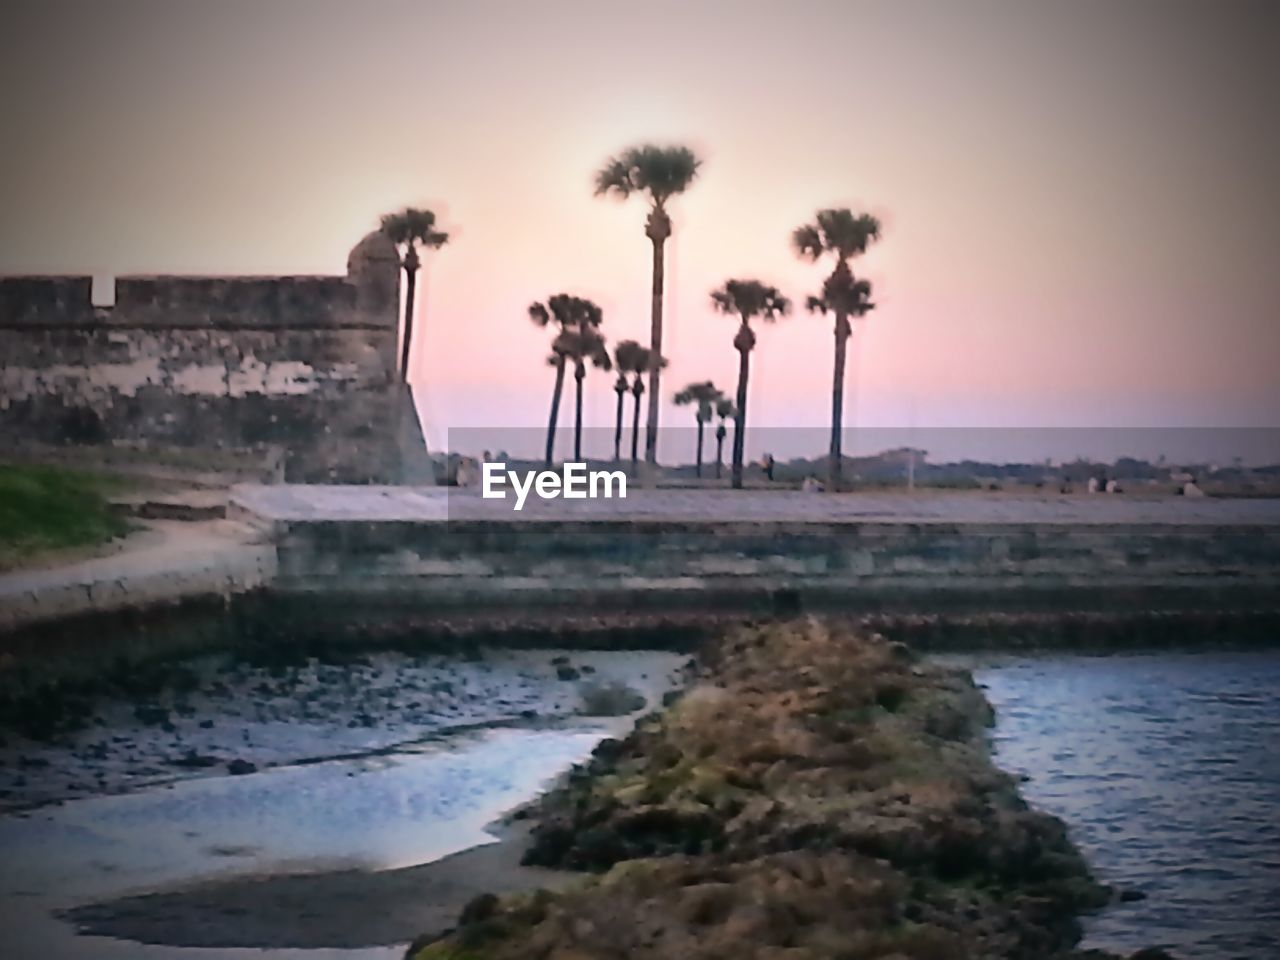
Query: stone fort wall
[[298, 368]]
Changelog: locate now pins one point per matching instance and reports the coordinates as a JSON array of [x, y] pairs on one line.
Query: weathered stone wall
[[855, 567], [302, 365]]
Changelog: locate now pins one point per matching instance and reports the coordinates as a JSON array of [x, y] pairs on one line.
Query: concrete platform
[[358, 552], [288, 503]]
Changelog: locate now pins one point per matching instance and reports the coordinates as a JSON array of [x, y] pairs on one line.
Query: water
[[1166, 767], [375, 813]]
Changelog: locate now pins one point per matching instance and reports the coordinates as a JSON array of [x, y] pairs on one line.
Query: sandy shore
[[336, 909]]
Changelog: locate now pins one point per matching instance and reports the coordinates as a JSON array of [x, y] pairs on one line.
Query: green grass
[[47, 509]]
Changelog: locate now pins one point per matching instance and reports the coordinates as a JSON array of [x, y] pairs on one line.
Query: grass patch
[[46, 509]]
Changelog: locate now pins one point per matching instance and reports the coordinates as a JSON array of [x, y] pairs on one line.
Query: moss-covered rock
[[818, 795]]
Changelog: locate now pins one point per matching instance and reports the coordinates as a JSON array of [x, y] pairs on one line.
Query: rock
[[902, 653], [479, 908], [821, 792], [239, 767], [609, 700], [194, 761], [151, 714], [565, 672]]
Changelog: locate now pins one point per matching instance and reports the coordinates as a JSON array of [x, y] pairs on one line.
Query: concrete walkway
[[166, 562], [287, 503]]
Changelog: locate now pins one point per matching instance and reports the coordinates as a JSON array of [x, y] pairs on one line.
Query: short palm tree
[[660, 173], [646, 362], [572, 315], [628, 357], [703, 396], [841, 234], [409, 229], [724, 410], [746, 299], [582, 345]]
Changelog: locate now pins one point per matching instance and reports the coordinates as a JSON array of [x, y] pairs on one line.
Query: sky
[[1080, 199]]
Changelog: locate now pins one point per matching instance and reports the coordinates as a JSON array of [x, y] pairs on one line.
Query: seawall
[[437, 552], [428, 566]]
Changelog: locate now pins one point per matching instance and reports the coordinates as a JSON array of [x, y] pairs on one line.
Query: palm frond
[[630, 356], [413, 225], [807, 241], [750, 298], [842, 292], [583, 343], [662, 172], [841, 232]]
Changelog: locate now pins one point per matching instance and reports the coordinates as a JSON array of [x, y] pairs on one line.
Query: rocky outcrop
[[818, 795]]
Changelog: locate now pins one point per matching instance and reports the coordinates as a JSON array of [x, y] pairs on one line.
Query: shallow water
[[1166, 767], [374, 813]]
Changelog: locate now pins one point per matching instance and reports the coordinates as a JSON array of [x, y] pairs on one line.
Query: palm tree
[[646, 361], [661, 173], [628, 357], [409, 229], [581, 345], [570, 314], [704, 395], [746, 299], [843, 235], [724, 410], [847, 298]]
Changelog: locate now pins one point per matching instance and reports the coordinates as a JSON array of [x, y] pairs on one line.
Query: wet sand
[[337, 909]]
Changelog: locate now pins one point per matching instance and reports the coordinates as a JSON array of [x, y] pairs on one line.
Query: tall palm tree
[[582, 345], [704, 396], [628, 357], [848, 297], [409, 229], [570, 314], [660, 173], [841, 234], [724, 410], [746, 299]]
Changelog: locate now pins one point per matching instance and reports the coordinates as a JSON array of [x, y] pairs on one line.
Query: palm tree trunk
[[740, 418], [658, 229], [555, 412], [719, 450], [617, 430], [580, 371], [635, 423], [836, 456], [411, 282], [699, 467]]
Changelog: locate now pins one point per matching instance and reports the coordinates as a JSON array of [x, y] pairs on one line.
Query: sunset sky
[[1080, 199]]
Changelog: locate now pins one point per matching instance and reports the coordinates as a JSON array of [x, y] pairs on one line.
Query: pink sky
[[1079, 199]]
